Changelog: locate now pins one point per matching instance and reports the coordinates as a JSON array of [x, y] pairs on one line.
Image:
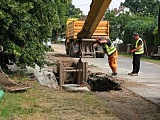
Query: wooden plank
[[8, 84], [68, 68], [80, 73], [18, 88], [60, 75], [85, 70], [73, 70], [14, 88]]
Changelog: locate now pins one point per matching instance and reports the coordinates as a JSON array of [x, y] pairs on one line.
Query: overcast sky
[[84, 5]]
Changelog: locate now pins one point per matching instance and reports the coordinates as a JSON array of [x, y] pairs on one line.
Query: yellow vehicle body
[[74, 27], [85, 32]]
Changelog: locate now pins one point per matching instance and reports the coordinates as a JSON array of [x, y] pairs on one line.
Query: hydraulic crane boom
[[97, 10]]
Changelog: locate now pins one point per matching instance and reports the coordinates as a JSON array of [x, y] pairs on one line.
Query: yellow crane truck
[[80, 35]]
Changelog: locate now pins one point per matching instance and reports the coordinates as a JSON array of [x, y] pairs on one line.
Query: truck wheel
[[99, 53], [70, 50], [102, 55], [67, 52], [73, 50]]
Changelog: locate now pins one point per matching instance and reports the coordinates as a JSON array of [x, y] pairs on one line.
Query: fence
[[148, 50]]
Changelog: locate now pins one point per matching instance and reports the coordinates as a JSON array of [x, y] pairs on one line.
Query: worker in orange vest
[[111, 51]]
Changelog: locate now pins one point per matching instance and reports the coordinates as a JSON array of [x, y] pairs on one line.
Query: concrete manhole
[[74, 87]]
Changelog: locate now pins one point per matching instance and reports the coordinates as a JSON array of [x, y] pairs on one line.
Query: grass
[[15, 105], [146, 59], [42, 103]]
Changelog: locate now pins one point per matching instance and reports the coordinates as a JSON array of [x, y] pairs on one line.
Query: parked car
[[48, 44], [63, 40]]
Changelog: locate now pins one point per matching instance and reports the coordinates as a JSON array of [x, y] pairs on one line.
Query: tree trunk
[[159, 24]]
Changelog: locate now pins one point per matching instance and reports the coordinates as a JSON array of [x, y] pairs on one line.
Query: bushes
[[25, 25], [146, 29]]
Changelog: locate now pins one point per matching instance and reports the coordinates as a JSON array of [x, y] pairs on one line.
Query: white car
[[63, 40], [48, 44]]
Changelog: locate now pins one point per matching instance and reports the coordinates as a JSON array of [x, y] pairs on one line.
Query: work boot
[[130, 73], [114, 74]]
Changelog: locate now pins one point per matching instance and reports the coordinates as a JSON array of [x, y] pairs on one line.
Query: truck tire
[[99, 54], [70, 50], [102, 55], [67, 52], [73, 50]]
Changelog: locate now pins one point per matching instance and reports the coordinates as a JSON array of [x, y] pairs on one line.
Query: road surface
[[148, 78]]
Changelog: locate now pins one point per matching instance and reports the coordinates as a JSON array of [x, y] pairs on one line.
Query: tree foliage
[[156, 36], [150, 34], [159, 25], [74, 12], [117, 23], [110, 16], [143, 7], [144, 27], [132, 27], [25, 24], [141, 18], [65, 12]]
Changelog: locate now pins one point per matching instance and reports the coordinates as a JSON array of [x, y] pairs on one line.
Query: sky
[[84, 5]]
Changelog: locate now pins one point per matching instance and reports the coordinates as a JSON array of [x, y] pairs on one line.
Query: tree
[[123, 25], [145, 7], [61, 7], [117, 23], [74, 12], [159, 23], [156, 36], [25, 25], [65, 11], [122, 20], [150, 33], [110, 16], [145, 27]]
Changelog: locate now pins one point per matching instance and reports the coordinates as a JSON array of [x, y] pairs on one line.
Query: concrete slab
[[148, 93], [75, 88]]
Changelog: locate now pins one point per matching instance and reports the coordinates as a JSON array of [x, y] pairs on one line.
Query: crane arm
[[97, 10]]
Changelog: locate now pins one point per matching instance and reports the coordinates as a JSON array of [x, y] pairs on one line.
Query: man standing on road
[[109, 48], [137, 51]]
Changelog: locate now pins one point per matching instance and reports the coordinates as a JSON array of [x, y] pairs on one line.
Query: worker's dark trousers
[[136, 63]]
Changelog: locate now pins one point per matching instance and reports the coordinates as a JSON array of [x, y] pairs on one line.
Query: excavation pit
[[71, 73], [102, 82]]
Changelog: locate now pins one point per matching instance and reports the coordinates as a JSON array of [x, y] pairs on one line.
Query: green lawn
[[146, 59], [43, 103]]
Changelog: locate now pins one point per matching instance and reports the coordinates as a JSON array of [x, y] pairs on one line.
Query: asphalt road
[[148, 78]]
